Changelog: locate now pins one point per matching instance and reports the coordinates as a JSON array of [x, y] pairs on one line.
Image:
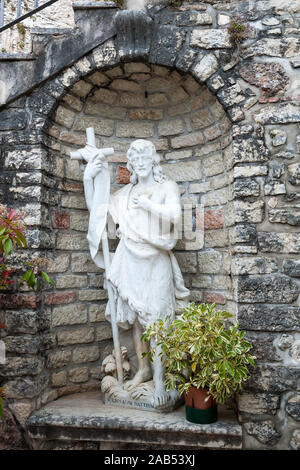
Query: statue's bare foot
[[163, 399], [141, 376]]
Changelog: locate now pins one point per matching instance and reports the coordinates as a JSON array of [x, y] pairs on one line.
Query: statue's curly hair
[[138, 146]]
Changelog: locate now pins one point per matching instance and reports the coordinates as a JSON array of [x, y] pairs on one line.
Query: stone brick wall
[[247, 176]]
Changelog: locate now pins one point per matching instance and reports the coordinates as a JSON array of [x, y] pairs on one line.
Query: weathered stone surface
[[263, 347], [269, 77], [295, 440], [102, 126], [135, 129], [22, 344], [79, 374], [249, 150], [231, 95], [187, 140], [187, 262], [258, 403], [293, 407], [249, 211], [294, 173], [209, 262], [205, 66], [183, 171], [69, 315], [253, 265], [103, 331], [193, 18], [86, 354], [274, 187], [278, 137], [278, 242], [173, 127], [97, 312], [279, 114], [59, 379], [291, 267], [246, 187], [274, 379], [210, 38], [268, 288], [105, 55], [289, 216], [22, 365], [264, 431], [167, 45], [59, 359], [74, 336], [269, 317]]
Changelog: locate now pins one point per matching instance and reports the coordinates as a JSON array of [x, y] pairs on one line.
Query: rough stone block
[[210, 38], [187, 262], [103, 127], [291, 267], [253, 265], [135, 129], [187, 140], [285, 216], [75, 336], [204, 67], [183, 171], [267, 288], [59, 359], [74, 314], [79, 374], [209, 262], [86, 354], [278, 242], [168, 128]]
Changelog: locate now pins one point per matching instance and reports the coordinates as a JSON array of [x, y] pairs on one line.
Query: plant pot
[[198, 410]]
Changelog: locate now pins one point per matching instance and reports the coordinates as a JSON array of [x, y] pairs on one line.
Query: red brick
[[123, 175], [61, 219], [214, 297], [213, 219], [60, 298], [18, 301], [74, 187]]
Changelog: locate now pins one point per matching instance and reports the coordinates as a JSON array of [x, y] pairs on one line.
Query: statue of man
[[144, 273]]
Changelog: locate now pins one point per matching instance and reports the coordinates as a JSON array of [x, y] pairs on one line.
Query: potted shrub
[[205, 358]]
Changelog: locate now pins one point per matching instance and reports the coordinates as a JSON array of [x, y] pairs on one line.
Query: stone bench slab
[[84, 417]]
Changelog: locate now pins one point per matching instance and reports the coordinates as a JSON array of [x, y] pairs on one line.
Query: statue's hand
[[94, 167], [142, 202]]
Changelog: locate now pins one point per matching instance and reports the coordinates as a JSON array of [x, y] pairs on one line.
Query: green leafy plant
[[12, 237], [200, 351], [238, 31]]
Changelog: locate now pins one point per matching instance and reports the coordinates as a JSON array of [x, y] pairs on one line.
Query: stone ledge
[[89, 5], [84, 417]]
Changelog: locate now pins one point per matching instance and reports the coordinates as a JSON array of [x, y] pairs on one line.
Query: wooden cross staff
[[87, 154]]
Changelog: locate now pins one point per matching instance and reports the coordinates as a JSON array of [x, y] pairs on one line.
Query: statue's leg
[[144, 372], [161, 397]]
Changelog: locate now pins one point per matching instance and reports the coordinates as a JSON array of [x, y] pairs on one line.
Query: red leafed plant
[[12, 237]]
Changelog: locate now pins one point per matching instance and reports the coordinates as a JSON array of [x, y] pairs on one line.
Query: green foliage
[[12, 237], [238, 31], [199, 350]]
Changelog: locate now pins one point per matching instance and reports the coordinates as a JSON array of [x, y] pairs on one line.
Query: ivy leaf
[[8, 246], [47, 278]]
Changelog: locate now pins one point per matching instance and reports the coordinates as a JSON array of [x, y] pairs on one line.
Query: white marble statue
[[144, 274]]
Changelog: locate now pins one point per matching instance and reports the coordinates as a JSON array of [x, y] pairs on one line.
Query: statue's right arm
[[92, 169]]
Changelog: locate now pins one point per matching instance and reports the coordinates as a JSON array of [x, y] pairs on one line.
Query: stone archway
[[191, 132]]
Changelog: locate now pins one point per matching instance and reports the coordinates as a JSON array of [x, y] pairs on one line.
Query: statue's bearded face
[[141, 161]]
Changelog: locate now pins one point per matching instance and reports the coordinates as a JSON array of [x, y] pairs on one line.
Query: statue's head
[[142, 159]]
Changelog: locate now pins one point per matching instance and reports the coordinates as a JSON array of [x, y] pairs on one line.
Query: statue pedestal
[[140, 398], [83, 421]]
